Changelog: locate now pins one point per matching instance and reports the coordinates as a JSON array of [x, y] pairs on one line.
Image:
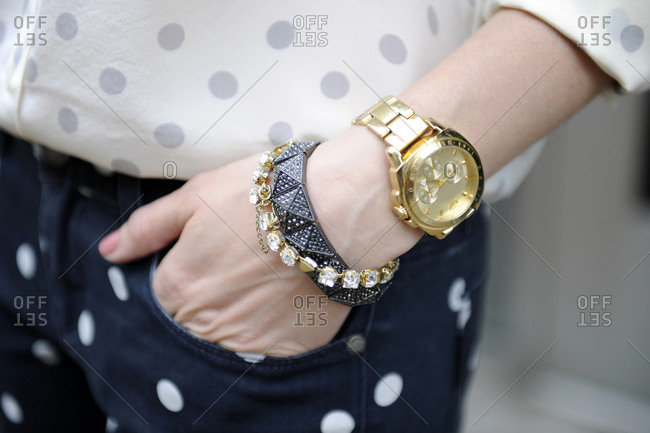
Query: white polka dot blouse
[[160, 89]]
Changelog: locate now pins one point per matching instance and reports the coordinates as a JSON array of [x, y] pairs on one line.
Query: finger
[[148, 229]]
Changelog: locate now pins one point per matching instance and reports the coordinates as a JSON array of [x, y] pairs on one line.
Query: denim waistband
[[112, 188]]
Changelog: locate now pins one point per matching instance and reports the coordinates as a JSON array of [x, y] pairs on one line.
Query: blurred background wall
[[566, 342]]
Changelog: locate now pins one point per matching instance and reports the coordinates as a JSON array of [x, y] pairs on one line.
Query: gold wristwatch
[[436, 174]]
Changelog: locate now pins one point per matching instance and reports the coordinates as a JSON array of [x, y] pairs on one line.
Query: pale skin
[[217, 284]]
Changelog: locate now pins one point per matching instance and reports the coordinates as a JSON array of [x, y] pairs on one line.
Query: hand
[[213, 281]]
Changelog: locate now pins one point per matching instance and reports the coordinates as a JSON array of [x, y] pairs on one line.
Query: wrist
[[350, 191]]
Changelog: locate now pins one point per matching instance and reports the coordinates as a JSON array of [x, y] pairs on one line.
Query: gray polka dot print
[[618, 21], [280, 132], [67, 120], [223, 84], [169, 135], [31, 71], [395, 45], [334, 85], [392, 48], [171, 36], [280, 34], [432, 17], [112, 81], [18, 53], [123, 166], [66, 26], [632, 38]]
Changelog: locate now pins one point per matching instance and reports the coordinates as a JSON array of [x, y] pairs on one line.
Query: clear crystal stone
[[275, 240], [351, 279], [253, 196], [369, 278], [266, 158], [260, 174], [267, 221], [327, 276], [264, 223], [289, 256], [386, 275]]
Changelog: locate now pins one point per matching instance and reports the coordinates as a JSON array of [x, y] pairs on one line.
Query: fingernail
[[109, 243]]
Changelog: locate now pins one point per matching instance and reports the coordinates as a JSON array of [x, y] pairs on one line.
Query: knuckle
[[167, 285], [205, 324], [194, 184]]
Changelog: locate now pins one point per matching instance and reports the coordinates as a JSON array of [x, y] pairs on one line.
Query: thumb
[[147, 230]]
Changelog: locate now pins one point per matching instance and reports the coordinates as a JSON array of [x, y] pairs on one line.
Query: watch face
[[443, 182]]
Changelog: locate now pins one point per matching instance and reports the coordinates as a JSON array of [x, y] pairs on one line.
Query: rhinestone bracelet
[[284, 210]]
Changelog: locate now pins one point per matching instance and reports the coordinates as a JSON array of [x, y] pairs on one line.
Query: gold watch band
[[395, 123]]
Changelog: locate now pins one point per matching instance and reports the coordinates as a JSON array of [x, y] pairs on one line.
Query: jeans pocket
[[356, 325]]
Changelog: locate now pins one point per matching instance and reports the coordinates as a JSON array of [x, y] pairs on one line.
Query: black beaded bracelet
[[294, 228]]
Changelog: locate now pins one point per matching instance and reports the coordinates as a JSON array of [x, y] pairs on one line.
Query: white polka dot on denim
[[169, 395]]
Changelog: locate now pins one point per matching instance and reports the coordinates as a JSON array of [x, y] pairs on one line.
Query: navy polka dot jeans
[[85, 347]]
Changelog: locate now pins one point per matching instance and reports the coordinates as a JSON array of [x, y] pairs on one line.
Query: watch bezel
[[427, 146]]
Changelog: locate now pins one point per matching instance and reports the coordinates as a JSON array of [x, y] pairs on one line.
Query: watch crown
[[400, 212]]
